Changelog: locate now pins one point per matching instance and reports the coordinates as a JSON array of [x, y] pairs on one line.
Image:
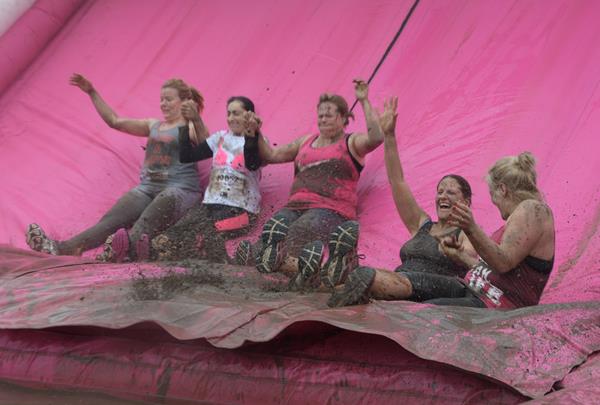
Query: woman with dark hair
[[231, 200], [168, 187], [424, 267], [516, 260]]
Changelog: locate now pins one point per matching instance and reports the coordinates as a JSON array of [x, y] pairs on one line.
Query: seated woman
[[323, 196], [516, 260], [232, 198], [168, 188]]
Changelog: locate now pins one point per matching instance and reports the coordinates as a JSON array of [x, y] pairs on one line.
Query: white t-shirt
[[231, 183]]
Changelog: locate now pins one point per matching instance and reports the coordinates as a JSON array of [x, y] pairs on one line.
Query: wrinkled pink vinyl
[[476, 81]]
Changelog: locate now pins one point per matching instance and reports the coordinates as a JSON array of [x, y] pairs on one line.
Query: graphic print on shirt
[[160, 150], [231, 183]]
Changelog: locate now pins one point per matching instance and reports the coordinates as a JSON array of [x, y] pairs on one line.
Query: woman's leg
[[182, 239], [386, 285], [315, 224], [274, 239], [122, 215]]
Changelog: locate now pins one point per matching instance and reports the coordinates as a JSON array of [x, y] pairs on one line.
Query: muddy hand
[[452, 248], [252, 124], [462, 217], [361, 89], [189, 110], [387, 119], [81, 82]]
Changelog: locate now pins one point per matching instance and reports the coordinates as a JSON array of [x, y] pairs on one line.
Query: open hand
[[361, 89], [81, 82], [252, 124], [462, 217], [387, 119]]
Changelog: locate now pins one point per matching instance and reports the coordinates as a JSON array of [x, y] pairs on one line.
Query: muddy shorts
[[440, 290]]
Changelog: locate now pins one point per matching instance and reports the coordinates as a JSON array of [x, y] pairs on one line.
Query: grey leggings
[[146, 209]]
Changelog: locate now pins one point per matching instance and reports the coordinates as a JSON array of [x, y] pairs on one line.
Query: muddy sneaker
[[356, 289], [243, 254], [161, 245], [38, 240], [116, 247], [309, 266], [273, 242], [142, 248], [342, 254]]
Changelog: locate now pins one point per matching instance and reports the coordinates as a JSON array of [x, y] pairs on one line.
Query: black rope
[[390, 46]]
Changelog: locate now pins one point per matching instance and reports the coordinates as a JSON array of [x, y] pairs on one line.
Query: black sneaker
[[273, 242], [243, 254], [356, 289], [309, 266], [342, 254]]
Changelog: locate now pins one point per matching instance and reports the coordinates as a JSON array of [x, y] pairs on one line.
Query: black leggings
[[440, 290]]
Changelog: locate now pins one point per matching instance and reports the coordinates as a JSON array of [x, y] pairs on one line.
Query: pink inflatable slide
[[476, 81]]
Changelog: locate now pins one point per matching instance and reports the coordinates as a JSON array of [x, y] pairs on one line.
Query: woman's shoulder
[[539, 209]]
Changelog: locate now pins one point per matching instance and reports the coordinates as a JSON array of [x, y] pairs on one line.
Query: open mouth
[[444, 205]]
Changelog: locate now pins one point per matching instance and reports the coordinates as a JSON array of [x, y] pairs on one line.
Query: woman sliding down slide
[[323, 199], [168, 188], [232, 198], [515, 262]]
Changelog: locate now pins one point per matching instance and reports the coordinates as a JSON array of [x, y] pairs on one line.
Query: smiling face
[[448, 194], [331, 123], [235, 117], [170, 103]]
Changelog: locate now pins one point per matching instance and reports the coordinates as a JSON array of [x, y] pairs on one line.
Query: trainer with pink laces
[[167, 190], [323, 201]]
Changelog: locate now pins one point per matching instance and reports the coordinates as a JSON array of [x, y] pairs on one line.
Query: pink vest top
[[325, 178], [520, 287]]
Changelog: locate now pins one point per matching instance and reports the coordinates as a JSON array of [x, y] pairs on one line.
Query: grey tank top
[[161, 163], [421, 254]]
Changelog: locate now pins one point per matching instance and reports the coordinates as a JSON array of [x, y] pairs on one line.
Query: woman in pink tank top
[[323, 197]]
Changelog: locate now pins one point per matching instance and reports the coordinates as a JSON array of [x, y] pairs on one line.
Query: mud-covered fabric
[[195, 235], [440, 290], [519, 287], [421, 254], [231, 182], [161, 162], [147, 209], [309, 225], [325, 177]]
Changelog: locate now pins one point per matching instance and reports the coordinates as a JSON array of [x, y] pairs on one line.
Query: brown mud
[[193, 276]]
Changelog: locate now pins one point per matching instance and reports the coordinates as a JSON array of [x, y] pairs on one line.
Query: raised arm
[[410, 212], [360, 143], [131, 126], [522, 234]]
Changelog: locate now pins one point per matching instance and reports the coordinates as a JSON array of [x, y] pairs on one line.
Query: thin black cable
[[390, 46]]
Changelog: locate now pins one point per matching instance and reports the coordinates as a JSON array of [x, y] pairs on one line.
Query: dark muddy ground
[[191, 276]]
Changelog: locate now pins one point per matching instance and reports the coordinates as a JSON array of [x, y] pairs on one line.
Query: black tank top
[[421, 254]]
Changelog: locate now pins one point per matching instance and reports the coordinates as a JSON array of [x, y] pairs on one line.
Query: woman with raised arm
[[168, 188], [323, 199], [232, 198], [517, 259]]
